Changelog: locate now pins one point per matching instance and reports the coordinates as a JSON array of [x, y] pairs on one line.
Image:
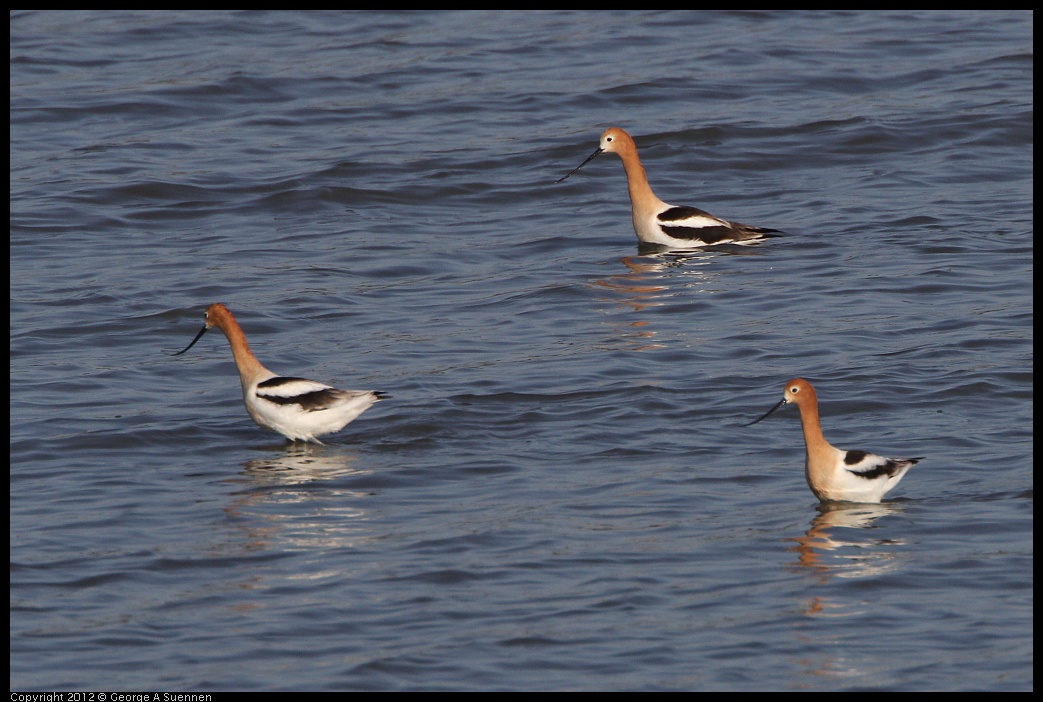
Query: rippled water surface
[[561, 493]]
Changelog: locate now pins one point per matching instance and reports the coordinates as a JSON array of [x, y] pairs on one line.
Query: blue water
[[561, 493]]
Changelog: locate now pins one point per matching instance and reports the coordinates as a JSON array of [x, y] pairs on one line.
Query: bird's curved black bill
[[781, 403], [198, 337], [590, 158]]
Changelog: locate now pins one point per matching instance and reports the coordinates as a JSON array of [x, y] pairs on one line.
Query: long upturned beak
[[781, 403], [198, 337], [590, 158]]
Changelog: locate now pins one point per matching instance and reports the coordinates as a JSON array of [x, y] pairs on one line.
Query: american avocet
[[832, 474], [656, 222], [299, 409]]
